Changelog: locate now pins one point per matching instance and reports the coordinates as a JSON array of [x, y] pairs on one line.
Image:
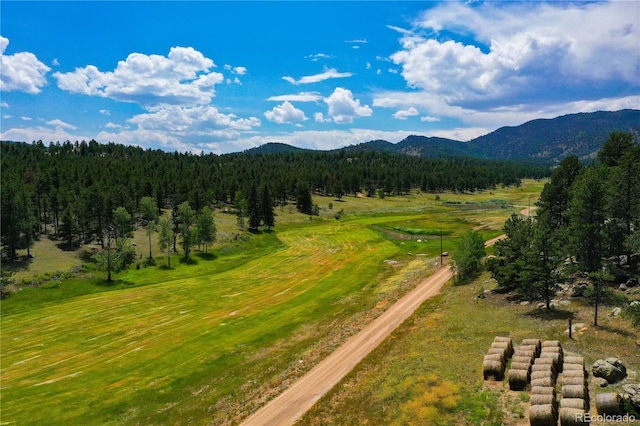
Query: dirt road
[[299, 397]]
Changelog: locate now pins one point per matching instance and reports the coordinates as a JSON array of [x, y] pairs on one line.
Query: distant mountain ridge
[[543, 140]]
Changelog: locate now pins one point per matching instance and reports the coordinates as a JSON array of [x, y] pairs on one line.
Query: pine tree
[[266, 208], [253, 209], [587, 215], [304, 203]]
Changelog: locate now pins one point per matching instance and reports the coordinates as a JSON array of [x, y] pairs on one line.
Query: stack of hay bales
[[544, 372], [553, 349], [544, 406], [575, 391], [523, 357], [545, 369], [495, 361]]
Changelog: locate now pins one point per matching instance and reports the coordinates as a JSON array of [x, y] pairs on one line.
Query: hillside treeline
[[587, 221], [85, 182]]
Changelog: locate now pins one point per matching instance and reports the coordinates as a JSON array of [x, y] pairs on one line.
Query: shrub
[[633, 313]]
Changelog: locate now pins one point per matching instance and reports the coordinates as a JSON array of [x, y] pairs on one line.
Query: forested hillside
[[552, 140], [545, 141], [73, 189], [588, 221]]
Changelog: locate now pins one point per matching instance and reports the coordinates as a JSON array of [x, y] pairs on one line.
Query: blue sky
[[227, 76]]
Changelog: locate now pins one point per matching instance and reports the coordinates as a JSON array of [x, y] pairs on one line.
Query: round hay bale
[[543, 390], [555, 357], [518, 379], [573, 403], [545, 364], [493, 369], [547, 369], [574, 381], [529, 353], [551, 344], [573, 417], [609, 403], [573, 367], [574, 373], [506, 340], [522, 360], [543, 415], [497, 351], [543, 375], [496, 357], [547, 381], [575, 391], [533, 342], [520, 366], [574, 360], [544, 400]]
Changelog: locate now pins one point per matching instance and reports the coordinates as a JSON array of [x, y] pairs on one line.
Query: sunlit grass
[[430, 369], [210, 340]]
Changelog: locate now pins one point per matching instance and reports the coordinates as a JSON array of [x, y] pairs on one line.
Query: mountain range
[[542, 140]]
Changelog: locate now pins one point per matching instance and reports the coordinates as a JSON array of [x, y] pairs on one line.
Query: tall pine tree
[[253, 208], [266, 208]]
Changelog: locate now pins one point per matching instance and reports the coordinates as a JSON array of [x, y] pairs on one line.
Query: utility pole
[[441, 265]]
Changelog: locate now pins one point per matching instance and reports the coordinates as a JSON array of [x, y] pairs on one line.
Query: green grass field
[[429, 371], [210, 342]]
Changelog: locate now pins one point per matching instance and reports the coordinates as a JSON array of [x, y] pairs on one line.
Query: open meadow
[[210, 342]]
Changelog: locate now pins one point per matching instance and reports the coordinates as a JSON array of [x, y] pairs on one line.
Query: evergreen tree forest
[[77, 191], [587, 222]]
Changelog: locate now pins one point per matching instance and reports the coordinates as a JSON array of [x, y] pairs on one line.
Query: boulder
[[599, 382], [616, 311], [611, 369], [634, 303], [578, 291], [632, 282], [631, 393]]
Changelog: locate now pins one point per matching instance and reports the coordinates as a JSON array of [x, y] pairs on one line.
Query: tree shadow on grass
[[189, 261], [20, 263], [65, 246], [551, 314], [207, 256], [113, 284], [615, 330]]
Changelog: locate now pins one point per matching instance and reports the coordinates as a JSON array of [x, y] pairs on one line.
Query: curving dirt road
[[300, 397]]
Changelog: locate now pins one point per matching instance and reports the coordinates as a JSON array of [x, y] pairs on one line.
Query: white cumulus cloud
[[184, 77], [343, 108], [297, 97], [319, 117], [61, 124], [285, 113], [21, 71], [403, 114], [522, 52], [181, 128], [316, 78]]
